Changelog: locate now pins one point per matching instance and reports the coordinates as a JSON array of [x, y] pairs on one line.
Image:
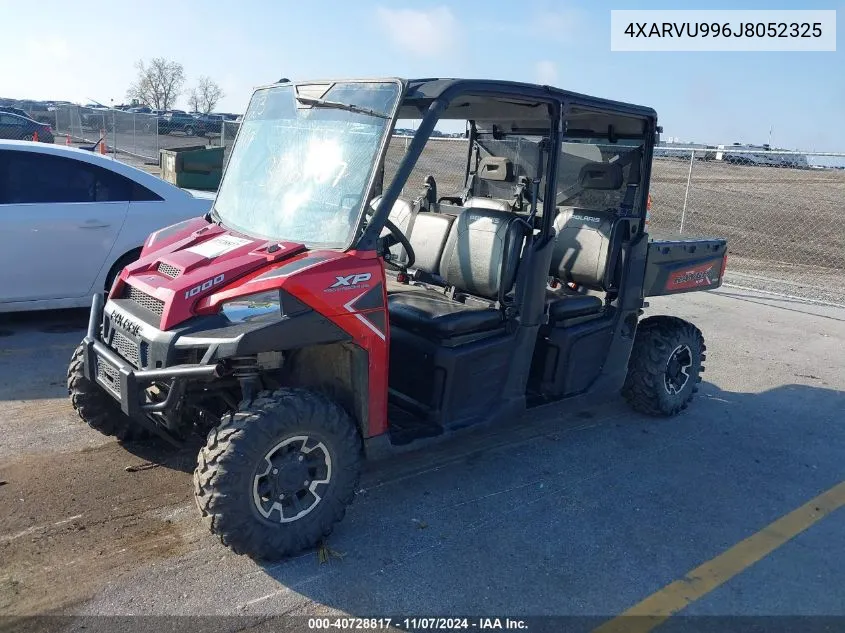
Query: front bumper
[[126, 383]]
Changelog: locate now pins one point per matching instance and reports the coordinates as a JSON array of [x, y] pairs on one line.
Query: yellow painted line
[[659, 606]]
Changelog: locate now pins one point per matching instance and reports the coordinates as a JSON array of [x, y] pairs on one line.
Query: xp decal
[[354, 281]]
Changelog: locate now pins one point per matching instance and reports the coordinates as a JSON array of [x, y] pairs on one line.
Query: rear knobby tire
[[236, 492], [97, 408], [665, 366]]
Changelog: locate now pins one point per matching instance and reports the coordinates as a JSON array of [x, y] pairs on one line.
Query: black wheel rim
[[292, 479], [677, 370]]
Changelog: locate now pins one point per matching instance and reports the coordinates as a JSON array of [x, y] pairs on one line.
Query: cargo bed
[[676, 266]]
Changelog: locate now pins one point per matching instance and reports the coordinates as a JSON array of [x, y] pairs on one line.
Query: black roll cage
[[432, 106], [369, 238]]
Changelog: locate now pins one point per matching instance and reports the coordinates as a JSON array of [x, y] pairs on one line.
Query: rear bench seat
[[585, 253], [587, 246], [479, 258]]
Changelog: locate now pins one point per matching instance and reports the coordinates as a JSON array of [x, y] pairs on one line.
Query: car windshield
[[299, 169]]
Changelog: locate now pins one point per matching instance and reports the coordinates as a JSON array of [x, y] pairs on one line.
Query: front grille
[[168, 270], [188, 356], [156, 306], [108, 375], [126, 348]]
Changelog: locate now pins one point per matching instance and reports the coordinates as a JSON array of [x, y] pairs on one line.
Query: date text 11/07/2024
[[418, 624]]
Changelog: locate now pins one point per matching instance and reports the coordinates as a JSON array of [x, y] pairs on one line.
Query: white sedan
[[70, 220]]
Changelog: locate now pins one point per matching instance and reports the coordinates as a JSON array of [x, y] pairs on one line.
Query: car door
[[59, 218], [10, 126]]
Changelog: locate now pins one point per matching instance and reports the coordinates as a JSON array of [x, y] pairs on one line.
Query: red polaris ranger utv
[[317, 308]]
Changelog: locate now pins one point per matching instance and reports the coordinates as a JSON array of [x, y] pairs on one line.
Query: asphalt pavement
[[586, 512]]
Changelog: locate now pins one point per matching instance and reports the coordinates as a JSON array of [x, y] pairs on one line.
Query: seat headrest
[[581, 217], [495, 204], [583, 249], [479, 255], [495, 168], [602, 176], [428, 239]]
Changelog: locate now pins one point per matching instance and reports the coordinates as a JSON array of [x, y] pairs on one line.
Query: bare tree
[[194, 100], [159, 83], [206, 95]]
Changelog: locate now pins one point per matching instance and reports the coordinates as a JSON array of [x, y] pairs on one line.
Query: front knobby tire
[[665, 366], [96, 408], [277, 475]]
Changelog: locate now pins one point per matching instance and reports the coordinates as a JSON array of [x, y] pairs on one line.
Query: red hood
[[186, 262]]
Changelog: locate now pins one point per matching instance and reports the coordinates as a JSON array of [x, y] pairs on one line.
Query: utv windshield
[[303, 159]]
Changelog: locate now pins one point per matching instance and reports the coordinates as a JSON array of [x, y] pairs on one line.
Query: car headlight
[[250, 307]]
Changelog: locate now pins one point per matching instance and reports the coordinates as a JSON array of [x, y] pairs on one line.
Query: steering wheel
[[395, 237], [398, 237]]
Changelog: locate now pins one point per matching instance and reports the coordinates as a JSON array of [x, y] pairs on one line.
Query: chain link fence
[[140, 134], [37, 112], [443, 158], [228, 132], [781, 212]]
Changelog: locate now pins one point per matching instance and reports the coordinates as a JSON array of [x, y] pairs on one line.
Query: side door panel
[[59, 219], [10, 127]]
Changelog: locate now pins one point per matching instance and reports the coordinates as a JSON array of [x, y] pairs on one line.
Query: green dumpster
[[194, 167]]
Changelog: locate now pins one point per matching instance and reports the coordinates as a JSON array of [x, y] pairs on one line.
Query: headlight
[[250, 307]]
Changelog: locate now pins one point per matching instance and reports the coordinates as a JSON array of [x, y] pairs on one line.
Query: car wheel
[[189, 131], [28, 137]]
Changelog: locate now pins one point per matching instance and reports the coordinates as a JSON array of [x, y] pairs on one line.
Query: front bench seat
[[428, 239], [437, 315], [480, 258]]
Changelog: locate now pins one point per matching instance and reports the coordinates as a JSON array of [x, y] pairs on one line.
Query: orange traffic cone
[[102, 147], [67, 140], [35, 136]]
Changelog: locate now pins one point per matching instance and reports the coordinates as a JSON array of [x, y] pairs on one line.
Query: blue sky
[[86, 49]]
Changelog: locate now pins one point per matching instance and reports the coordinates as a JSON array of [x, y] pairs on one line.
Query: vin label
[[723, 30]]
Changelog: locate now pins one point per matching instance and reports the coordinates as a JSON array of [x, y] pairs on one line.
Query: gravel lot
[[573, 512]]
